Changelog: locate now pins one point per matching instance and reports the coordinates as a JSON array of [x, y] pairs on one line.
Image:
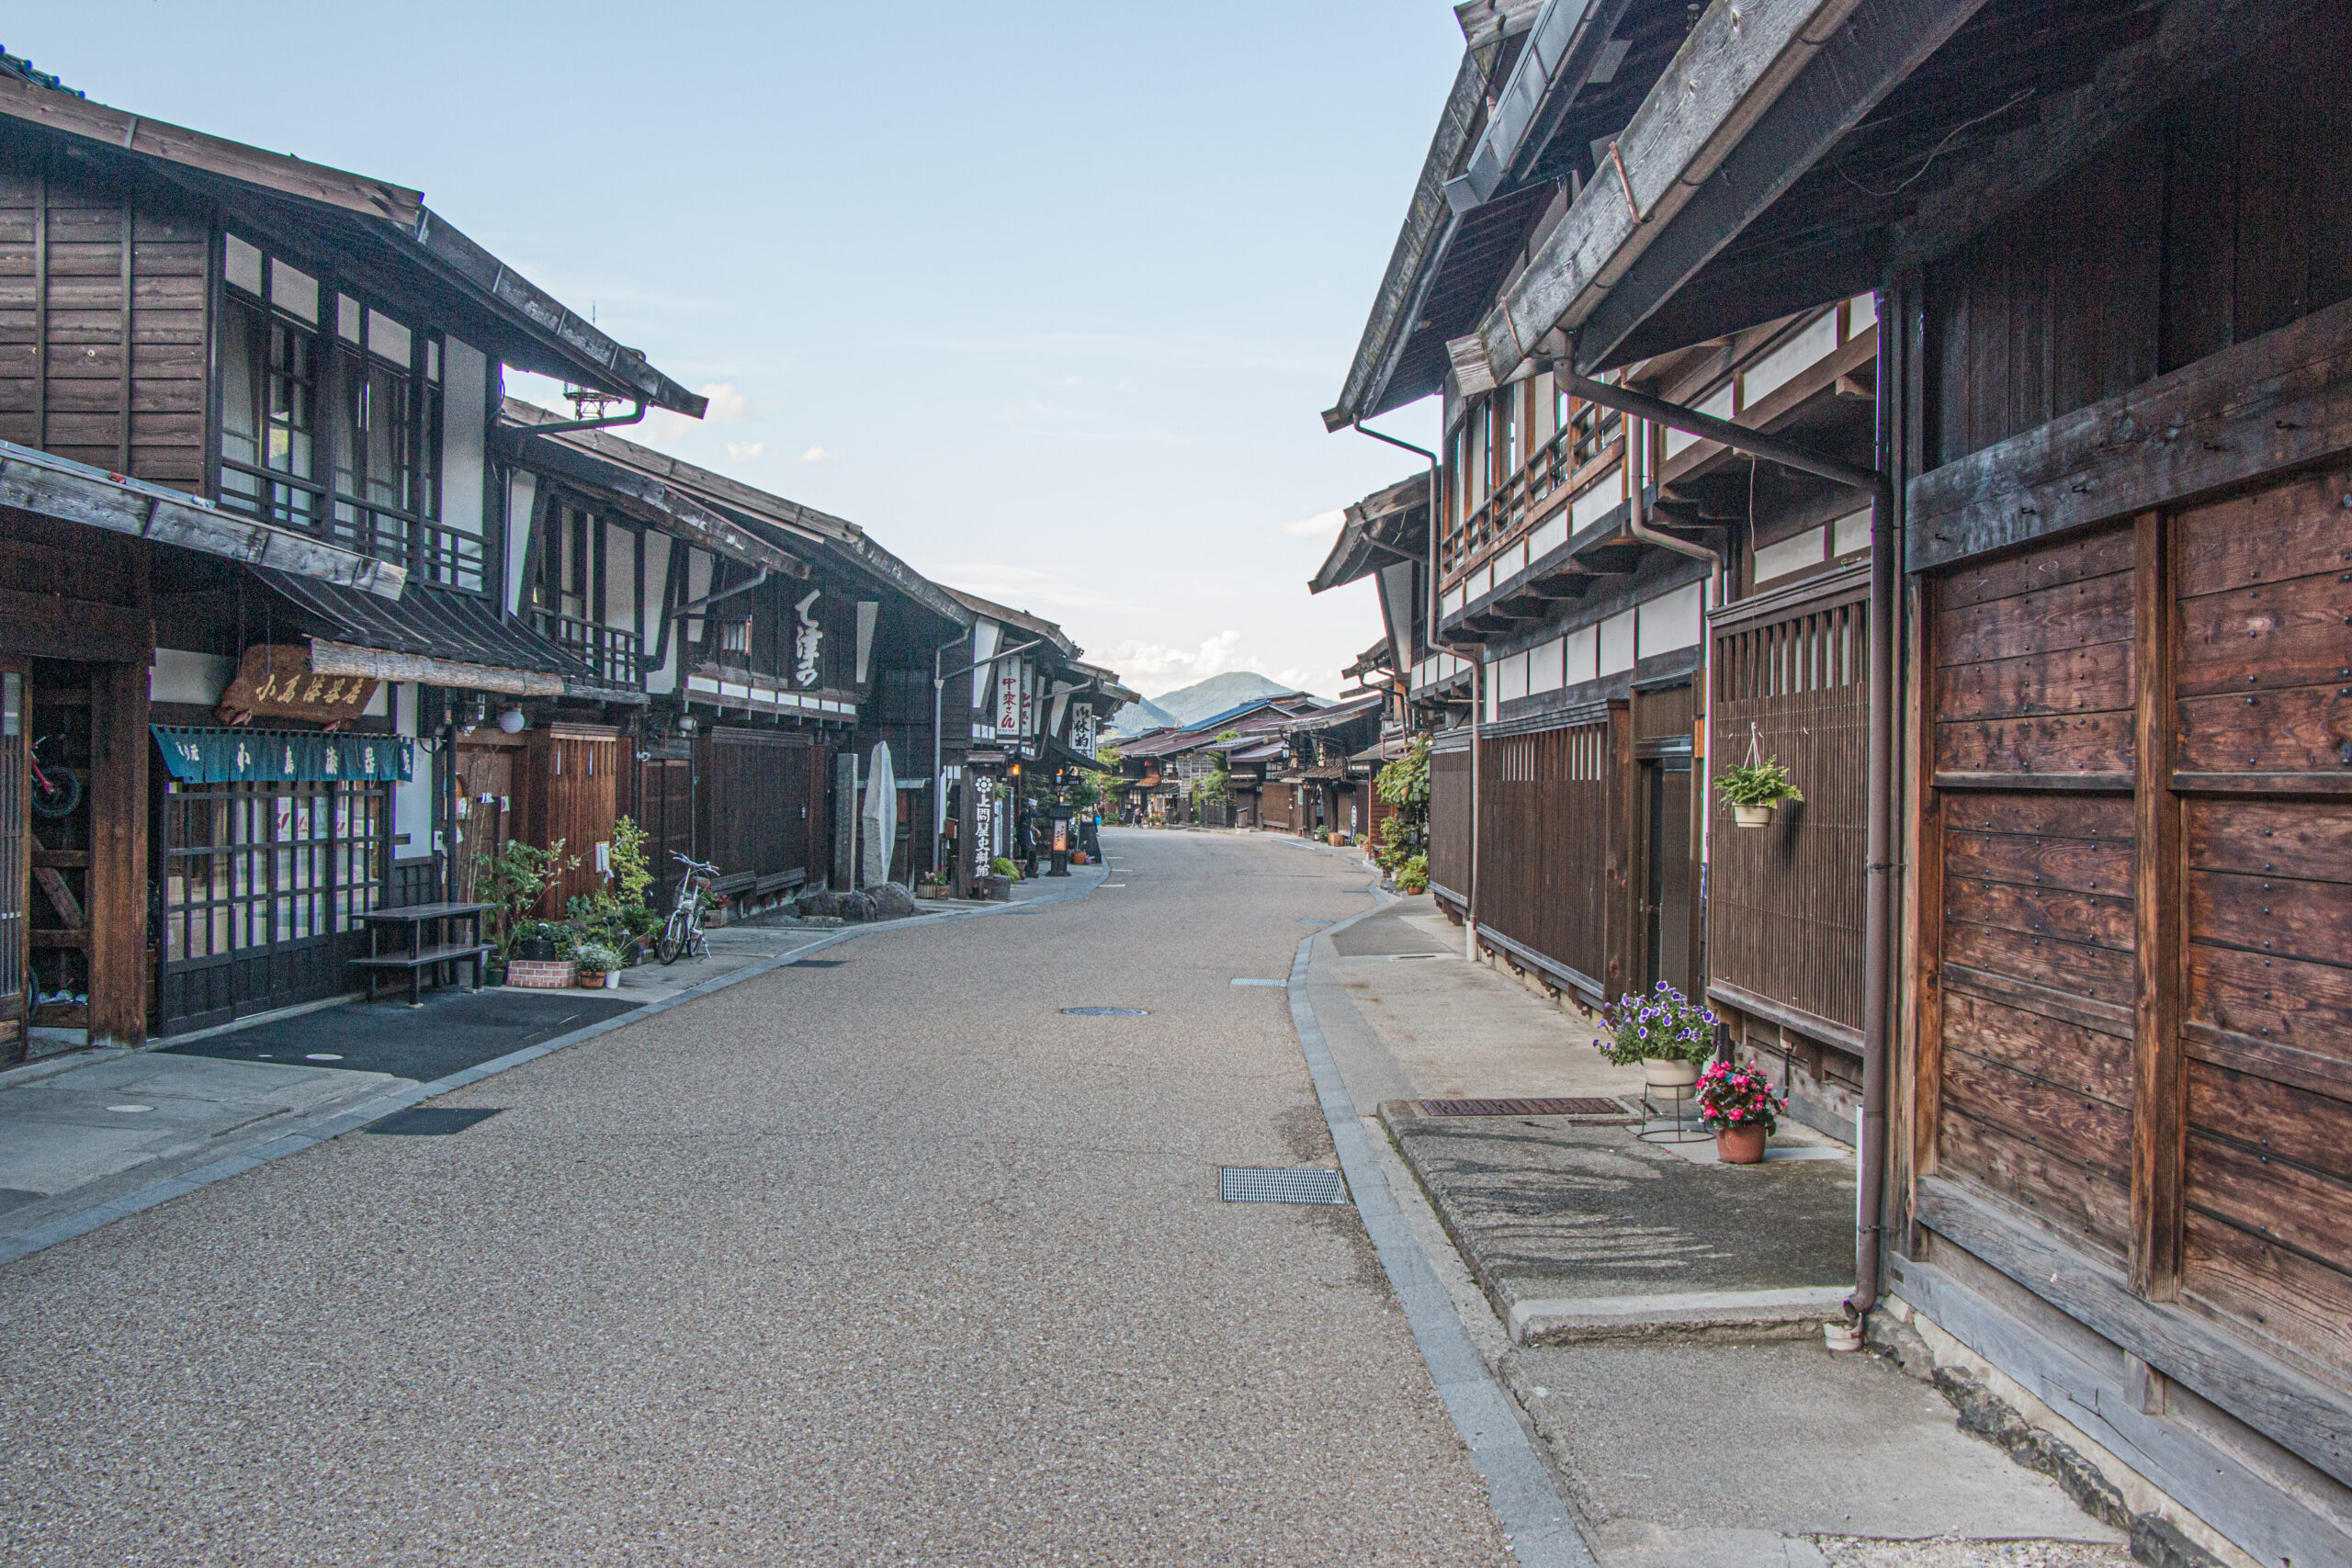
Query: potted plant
[[539, 941], [600, 966], [513, 883], [1753, 789], [643, 926], [1739, 1104], [1663, 1029]]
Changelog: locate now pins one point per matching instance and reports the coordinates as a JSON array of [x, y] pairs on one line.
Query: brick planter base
[[543, 974]]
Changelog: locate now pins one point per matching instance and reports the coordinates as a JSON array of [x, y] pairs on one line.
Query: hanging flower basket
[[1756, 787]]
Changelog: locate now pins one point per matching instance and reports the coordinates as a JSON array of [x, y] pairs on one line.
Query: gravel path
[[885, 1263]]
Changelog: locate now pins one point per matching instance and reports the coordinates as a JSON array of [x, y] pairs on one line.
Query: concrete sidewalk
[[1657, 1317]]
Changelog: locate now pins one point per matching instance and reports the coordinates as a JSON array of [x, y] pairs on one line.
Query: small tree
[[515, 880], [1403, 783]]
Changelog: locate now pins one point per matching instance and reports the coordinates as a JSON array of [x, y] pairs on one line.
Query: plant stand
[[1677, 1128]]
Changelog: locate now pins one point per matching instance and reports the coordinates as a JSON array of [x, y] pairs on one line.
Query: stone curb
[[1519, 1488], [65, 1227]]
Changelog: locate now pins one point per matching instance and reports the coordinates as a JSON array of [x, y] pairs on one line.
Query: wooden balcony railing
[[610, 651], [432, 552], [1580, 452]]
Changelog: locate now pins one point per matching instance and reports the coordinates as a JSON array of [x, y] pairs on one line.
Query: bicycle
[[682, 935], [57, 789]]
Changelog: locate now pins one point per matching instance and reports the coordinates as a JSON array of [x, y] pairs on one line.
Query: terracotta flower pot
[[591, 979], [1741, 1145]]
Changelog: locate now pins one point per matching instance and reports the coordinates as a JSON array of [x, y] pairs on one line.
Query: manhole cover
[[1245, 1184], [1106, 1012], [1586, 1106], [429, 1122]]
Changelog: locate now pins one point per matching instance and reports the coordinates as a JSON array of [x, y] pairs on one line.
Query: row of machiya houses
[[1287, 762], [1953, 402], [302, 616]]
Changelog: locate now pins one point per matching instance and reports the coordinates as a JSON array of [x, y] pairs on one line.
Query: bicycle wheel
[[63, 793], [675, 936]]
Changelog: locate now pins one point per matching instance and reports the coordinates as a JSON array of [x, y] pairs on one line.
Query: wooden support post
[[1922, 1044], [2159, 1107], [117, 877], [1623, 903]]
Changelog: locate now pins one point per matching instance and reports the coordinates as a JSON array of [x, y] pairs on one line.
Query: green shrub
[[1413, 876]]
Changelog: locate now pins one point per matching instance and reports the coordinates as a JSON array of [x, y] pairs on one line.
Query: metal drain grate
[[819, 963], [1106, 1012], [1245, 1184], [429, 1122], [1587, 1106]]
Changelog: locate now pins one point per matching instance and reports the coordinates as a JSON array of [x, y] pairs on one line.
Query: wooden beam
[[1620, 902], [118, 876], [2160, 1069], [42, 626], [1880, 45], [2193, 40], [1734, 65], [2277, 401], [73, 115], [2272, 1518], [51, 487], [2293, 1410]]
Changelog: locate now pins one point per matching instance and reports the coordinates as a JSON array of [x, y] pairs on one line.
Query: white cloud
[[815, 455], [746, 451], [1156, 667], [725, 402], [1322, 525]]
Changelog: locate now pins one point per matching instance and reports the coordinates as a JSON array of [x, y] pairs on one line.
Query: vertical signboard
[[1008, 696]]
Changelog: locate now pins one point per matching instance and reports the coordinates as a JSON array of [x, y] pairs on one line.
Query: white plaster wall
[[179, 676], [1670, 621], [1617, 643], [412, 800], [465, 428]]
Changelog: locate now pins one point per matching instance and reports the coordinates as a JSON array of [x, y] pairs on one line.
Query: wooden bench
[[420, 954]]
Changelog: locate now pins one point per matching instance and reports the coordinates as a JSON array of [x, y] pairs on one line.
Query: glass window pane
[[347, 318], [389, 338], [241, 265], [293, 291]]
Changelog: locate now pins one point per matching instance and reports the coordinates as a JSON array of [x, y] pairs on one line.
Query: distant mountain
[[1189, 704], [1137, 718]]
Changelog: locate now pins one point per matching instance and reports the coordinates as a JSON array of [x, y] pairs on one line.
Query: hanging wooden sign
[[275, 682]]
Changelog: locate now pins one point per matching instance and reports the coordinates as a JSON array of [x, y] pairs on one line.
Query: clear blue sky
[[1046, 298]]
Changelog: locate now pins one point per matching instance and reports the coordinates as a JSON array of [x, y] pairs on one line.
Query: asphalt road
[[891, 1262]]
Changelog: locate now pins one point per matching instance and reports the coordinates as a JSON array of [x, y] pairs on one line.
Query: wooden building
[[2097, 657], [1023, 711], [1334, 788], [773, 646], [238, 634]]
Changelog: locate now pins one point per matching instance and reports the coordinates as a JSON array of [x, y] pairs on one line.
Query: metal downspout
[[1878, 941], [602, 422], [1477, 690]]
